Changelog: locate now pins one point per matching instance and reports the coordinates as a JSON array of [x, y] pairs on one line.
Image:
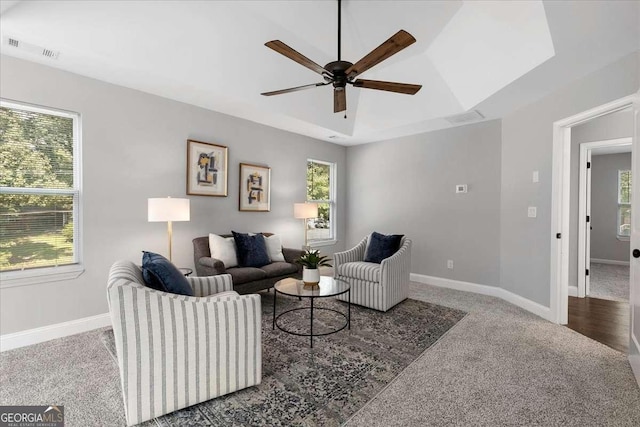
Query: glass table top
[[327, 287]]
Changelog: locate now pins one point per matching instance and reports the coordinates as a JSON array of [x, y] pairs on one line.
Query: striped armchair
[[377, 286], [175, 351]]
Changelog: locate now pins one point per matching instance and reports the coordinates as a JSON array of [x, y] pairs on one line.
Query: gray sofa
[[246, 280]]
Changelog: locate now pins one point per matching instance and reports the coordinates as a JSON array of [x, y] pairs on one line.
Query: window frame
[[36, 275], [331, 240], [622, 205]]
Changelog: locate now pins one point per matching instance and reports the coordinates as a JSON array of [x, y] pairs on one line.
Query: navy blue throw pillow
[[160, 274], [381, 246], [251, 250]]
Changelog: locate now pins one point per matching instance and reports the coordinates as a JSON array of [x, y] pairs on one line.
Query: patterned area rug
[[329, 383], [609, 282]]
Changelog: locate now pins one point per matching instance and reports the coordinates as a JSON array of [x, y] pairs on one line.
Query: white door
[[634, 298], [587, 249]]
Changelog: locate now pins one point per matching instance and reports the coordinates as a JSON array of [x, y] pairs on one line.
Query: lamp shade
[[305, 210], [169, 209]]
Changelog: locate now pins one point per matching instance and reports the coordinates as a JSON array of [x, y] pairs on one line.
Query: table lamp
[[169, 210], [305, 211]]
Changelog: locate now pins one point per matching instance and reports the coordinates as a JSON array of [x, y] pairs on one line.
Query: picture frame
[[207, 169], [255, 188]]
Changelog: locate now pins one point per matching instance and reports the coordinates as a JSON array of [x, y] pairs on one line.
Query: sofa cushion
[[380, 246], [159, 273], [241, 275], [276, 269], [274, 248], [224, 249], [252, 250], [368, 271]]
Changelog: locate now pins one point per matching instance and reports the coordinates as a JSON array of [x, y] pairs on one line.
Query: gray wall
[[407, 186], [525, 249], [611, 126], [604, 207], [124, 131]]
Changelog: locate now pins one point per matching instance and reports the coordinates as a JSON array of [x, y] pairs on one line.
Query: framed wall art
[[255, 188], [206, 169]]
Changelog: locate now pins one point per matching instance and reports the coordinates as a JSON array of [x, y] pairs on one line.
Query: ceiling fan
[[340, 73]]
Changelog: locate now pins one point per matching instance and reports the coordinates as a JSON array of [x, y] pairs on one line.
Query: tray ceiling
[[490, 56]]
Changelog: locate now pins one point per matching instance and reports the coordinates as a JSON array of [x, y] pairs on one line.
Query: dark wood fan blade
[[293, 89], [395, 44], [406, 88], [339, 100], [294, 55]]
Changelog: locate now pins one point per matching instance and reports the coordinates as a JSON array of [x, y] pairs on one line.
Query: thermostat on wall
[[461, 188]]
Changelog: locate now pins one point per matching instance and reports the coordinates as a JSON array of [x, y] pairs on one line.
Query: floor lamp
[[305, 211], [169, 210]]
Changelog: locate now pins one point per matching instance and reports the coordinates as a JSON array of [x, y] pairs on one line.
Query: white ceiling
[[491, 56], [616, 149]]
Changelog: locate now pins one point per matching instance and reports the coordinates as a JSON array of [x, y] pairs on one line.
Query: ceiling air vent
[[32, 48], [468, 117]]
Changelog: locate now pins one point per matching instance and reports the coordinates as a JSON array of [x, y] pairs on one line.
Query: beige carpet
[[609, 282], [499, 366]]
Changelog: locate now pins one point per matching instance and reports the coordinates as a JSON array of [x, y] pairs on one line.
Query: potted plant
[[311, 260]]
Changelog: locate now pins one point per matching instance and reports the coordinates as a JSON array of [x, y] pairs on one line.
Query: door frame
[[560, 202], [584, 205]]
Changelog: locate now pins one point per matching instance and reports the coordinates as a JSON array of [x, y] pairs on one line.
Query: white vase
[[310, 276]]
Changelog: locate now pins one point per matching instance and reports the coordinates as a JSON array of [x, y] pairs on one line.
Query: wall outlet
[[461, 188], [536, 176], [532, 212], [450, 264]]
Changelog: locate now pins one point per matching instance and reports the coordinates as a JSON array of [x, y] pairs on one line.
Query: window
[[321, 190], [39, 193], [624, 203]]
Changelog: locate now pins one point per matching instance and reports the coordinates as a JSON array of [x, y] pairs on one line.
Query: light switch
[[536, 176], [531, 212]]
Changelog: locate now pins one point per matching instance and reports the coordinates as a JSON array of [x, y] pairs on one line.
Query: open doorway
[[605, 196], [601, 217], [561, 219]]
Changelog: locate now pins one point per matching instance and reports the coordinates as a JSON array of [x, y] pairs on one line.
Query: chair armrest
[[400, 262], [351, 255], [210, 285], [207, 266], [204, 338]]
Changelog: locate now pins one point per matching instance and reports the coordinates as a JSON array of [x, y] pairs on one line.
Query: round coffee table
[[328, 287]]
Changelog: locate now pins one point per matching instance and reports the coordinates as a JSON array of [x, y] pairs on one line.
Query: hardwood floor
[[602, 320]]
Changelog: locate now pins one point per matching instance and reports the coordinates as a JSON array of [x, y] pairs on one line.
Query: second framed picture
[[255, 188]]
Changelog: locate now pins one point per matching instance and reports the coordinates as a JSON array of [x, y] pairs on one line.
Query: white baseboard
[[573, 291], [634, 358], [609, 261], [59, 330], [531, 306]]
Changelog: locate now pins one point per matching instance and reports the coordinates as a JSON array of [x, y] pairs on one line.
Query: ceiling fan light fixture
[[340, 73]]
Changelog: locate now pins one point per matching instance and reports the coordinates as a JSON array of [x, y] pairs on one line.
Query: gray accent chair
[[246, 280], [175, 351], [377, 286]]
